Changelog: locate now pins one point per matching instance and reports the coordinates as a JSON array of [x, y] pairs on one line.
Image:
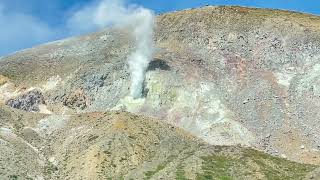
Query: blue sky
[[26, 23]]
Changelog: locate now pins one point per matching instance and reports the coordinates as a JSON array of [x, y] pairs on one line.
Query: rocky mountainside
[[120, 145], [227, 75]]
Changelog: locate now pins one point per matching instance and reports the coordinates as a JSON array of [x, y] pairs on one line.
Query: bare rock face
[[28, 102], [76, 100]]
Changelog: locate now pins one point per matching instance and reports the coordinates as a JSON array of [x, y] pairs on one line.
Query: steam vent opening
[[158, 64], [155, 64]]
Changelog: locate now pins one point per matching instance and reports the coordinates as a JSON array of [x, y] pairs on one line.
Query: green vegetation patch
[[251, 164], [149, 174], [278, 168], [180, 173], [160, 167]]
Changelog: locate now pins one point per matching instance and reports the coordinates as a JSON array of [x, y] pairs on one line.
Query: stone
[[29, 101]]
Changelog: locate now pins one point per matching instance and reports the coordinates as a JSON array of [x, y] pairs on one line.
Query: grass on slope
[[252, 164], [226, 164]]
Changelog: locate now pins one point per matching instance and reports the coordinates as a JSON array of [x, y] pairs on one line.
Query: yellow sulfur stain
[[3, 80], [120, 124]]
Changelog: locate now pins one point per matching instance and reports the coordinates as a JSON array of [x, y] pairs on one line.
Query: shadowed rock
[[77, 99], [28, 102], [158, 64]]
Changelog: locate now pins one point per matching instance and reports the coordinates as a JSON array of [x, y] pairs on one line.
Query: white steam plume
[[139, 60], [137, 19]]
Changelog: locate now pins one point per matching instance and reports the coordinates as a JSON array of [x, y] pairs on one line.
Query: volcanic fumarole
[[140, 21]]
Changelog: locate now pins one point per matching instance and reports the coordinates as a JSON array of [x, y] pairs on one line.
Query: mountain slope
[[122, 145], [228, 75]]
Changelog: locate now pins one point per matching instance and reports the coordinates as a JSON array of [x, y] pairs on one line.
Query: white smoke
[[139, 60], [138, 19]]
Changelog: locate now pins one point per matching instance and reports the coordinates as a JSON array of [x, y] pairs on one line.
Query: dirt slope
[[120, 145]]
